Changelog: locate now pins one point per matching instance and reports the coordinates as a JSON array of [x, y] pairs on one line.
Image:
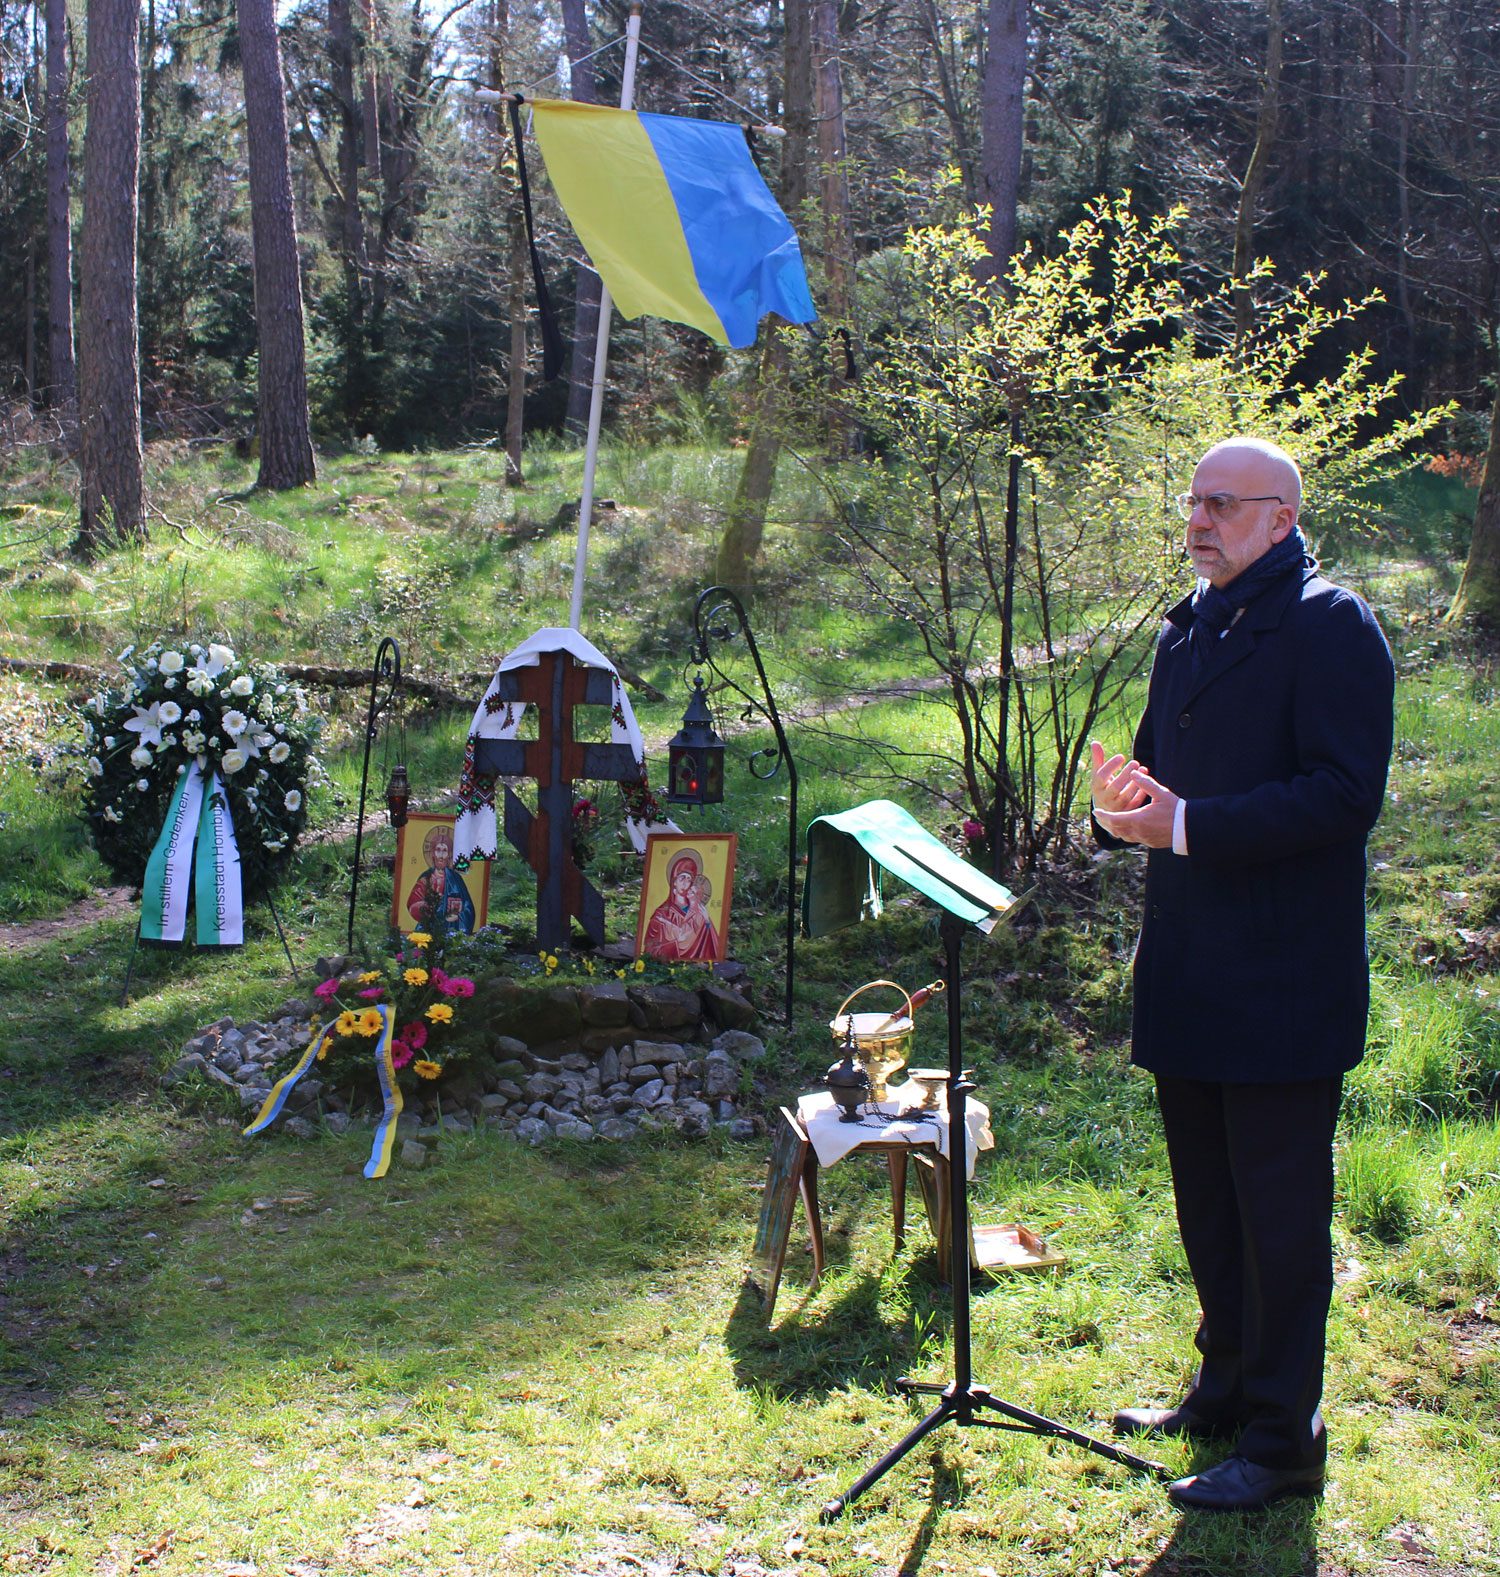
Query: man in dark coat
[[1259, 768]]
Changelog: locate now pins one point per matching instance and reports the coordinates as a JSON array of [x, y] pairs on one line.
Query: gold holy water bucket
[[880, 1039]]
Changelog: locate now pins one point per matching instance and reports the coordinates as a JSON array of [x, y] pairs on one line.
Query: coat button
[[1185, 720], [1155, 912]]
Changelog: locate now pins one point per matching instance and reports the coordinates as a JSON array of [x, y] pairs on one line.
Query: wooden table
[[794, 1171], [898, 1153]]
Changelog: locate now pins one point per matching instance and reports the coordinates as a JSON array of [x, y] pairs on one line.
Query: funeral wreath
[[198, 705]]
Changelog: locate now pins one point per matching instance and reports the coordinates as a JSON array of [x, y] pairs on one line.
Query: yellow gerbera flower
[[370, 1022], [369, 977], [440, 1013], [425, 1069], [347, 1023], [419, 938], [416, 977]]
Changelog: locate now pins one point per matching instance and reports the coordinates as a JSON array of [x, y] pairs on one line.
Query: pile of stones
[[599, 1061]]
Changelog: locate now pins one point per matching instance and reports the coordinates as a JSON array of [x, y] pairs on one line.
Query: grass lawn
[[221, 1355]]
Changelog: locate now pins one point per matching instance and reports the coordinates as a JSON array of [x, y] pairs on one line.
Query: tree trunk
[[371, 102], [930, 26], [286, 452], [745, 527], [1409, 22], [28, 329], [516, 254], [62, 377], [586, 299], [1002, 125], [838, 264], [1478, 595], [351, 229], [515, 392], [110, 461], [1255, 179], [743, 531]]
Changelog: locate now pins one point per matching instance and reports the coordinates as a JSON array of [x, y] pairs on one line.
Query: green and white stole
[[198, 823]]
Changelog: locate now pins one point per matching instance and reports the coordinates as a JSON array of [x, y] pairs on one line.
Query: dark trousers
[[1252, 1171]]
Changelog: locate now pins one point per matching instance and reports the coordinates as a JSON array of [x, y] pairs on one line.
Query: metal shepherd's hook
[[387, 667]]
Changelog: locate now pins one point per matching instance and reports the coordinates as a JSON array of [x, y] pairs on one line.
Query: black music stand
[[891, 840]]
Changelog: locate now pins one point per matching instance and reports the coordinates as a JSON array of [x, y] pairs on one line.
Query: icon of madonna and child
[[688, 922]]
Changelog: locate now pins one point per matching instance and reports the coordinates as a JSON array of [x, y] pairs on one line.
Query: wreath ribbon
[[196, 845], [385, 1070]]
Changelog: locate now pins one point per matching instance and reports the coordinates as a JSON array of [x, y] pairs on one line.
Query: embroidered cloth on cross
[[475, 830]]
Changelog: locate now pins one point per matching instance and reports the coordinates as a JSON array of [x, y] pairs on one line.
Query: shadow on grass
[[947, 1492], [820, 1347], [189, 1259], [1282, 1540]]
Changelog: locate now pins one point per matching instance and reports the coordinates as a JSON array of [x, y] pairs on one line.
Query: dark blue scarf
[[1214, 609]]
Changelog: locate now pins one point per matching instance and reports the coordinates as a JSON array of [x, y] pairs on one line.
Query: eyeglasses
[[1221, 507]]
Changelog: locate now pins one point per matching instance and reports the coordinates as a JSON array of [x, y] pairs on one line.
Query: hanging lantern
[[398, 795], [695, 757]]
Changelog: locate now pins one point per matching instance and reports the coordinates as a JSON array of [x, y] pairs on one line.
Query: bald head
[[1281, 472], [1264, 489]]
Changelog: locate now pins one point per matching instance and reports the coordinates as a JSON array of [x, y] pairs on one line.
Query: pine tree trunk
[[838, 264], [509, 190], [351, 228], [1255, 179], [515, 392], [744, 530], [371, 99], [931, 28], [1478, 594], [286, 452], [62, 376], [586, 295], [110, 461], [1002, 125]]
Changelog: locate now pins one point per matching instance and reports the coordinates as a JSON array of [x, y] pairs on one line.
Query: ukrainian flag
[[675, 216]]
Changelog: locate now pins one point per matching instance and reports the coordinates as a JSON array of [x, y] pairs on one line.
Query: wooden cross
[[554, 758]]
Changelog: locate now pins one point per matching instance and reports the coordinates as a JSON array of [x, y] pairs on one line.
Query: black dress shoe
[[1238, 1485], [1168, 1421]]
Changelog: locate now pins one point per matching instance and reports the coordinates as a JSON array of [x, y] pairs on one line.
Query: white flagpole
[[601, 355]]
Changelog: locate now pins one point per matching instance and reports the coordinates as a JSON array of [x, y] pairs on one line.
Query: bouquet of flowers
[[422, 997], [203, 704], [585, 825]]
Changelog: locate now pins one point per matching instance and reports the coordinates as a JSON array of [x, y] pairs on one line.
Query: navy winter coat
[[1252, 965]]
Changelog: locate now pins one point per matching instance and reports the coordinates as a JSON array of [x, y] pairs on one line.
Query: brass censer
[[880, 1039]]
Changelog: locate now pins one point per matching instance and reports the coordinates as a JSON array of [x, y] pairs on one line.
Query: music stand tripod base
[[963, 1401]]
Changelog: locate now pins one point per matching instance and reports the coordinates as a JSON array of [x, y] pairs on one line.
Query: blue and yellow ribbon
[[385, 1070]]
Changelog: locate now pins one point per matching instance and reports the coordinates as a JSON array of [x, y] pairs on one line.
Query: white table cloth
[[833, 1139]]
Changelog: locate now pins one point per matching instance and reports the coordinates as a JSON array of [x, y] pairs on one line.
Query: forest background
[[223, 1354], [1353, 141]]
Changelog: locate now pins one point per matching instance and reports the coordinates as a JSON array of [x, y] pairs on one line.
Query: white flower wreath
[[239, 712]]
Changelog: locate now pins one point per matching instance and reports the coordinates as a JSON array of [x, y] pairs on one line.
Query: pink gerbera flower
[[456, 986], [439, 979], [401, 1054], [372, 993], [327, 991], [415, 1036]]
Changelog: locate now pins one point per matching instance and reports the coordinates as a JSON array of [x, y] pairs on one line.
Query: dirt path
[[105, 904]]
